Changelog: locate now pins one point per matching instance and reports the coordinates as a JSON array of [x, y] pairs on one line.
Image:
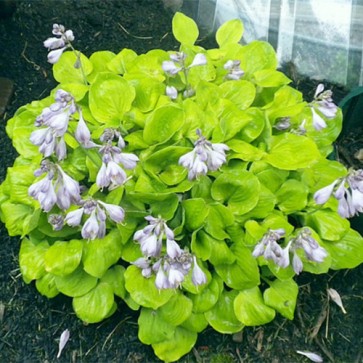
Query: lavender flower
[[177, 63], [56, 118], [83, 134], [204, 157], [322, 104], [55, 188], [95, 225], [313, 251], [111, 174], [347, 190], [57, 45], [234, 71], [270, 249]]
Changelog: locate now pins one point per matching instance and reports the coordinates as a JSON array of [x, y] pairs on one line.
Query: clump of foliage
[[192, 186]]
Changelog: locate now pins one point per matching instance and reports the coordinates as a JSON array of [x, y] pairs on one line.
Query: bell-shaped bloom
[[44, 192], [171, 92], [318, 121], [199, 60], [91, 227], [128, 160], [54, 55], [297, 264], [175, 276], [203, 158], [170, 68], [115, 212], [198, 276], [234, 71], [74, 218], [173, 250], [54, 43], [82, 133], [161, 280], [322, 195]]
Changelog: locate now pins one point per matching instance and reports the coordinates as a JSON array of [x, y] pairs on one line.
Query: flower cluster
[[55, 188], [204, 157], [323, 103], [176, 65], [170, 268], [56, 118], [234, 70], [95, 225], [313, 251], [111, 174], [347, 190], [271, 250], [58, 44]]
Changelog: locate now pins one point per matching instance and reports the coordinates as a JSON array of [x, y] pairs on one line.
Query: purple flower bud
[[318, 121], [172, 249], [170, 68], [322, 195], [115, 212], [82, 134], [54, 43], [161, 281], [171, 92], [198, 276], [199, 60], [175, 277], [91, 228], [297, 264], [54, 55], [74, 217]]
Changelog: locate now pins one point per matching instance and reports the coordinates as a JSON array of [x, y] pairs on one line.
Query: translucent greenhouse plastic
[[320, 39]]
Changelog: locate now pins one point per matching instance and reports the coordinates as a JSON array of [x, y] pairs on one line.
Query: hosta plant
[[191, 185]]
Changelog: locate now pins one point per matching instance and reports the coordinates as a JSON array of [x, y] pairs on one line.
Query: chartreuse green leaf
[[179, 344], [153, 328], [148, 92], [200, 245], [64, 70], [196, 211], [122, 61], [31, 259], [62, 258], [250, 309], [271, 177], [196, 323], [243, 273], [164, 164], [110, 97], [265, 205], [46, 286], [270, 78], [244, 150], [143, 291], [208, 297], [346, 252], [176, 310], [75, 284], [256, 56], [292, 196], [241, 93], [253, 130], [220, 252], [229, 32], [95, 305], [281, 296], [19, 219], [100, 254], [116, 279], [99, 62], [218, 219], [163, 123], [290, 152], [185, 29], [231, 120], [222, 316], [328, 224], [239, 190]]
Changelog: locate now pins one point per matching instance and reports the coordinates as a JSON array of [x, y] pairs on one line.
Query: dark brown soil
[[30, 324]]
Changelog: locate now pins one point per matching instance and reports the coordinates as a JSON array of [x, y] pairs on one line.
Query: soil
[[30, 324]]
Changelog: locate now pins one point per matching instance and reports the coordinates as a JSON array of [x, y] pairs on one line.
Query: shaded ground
[[30, 324]]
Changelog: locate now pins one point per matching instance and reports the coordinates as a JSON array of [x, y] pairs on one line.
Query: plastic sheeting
[[321, 39]]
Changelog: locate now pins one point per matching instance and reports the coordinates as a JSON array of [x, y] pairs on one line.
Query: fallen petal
[[63, 341], [312, 356], [334, 295]]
